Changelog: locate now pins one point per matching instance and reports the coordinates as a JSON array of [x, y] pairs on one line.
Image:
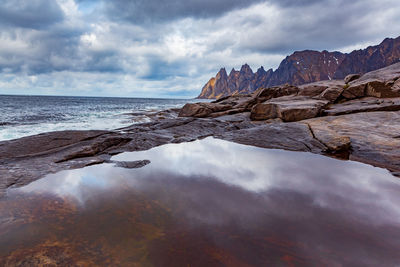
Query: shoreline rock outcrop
[[325, 118]]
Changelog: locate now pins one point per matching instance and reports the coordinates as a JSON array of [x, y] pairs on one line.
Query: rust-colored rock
[[329, 90], [288, 108], [304, 67], [201, 110], [277, 91], [367, 104], [351, 77], [382, 83]]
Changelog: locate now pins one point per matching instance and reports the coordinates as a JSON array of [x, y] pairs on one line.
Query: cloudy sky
[[170, 48]]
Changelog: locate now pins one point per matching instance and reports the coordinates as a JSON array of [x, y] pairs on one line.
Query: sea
[[29, 115]]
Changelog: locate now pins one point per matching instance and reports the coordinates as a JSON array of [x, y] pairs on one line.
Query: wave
[[6, 123]]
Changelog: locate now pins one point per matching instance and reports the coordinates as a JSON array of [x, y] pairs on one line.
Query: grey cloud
[[294, 3], [142, 11], [30, 13], [322, 25], [150, 43]]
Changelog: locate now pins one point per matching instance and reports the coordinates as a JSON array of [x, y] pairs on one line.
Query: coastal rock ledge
[[357, 118]]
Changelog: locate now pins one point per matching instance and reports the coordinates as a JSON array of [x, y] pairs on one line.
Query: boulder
[[276, 91], [238, 101], [313, 89], [396, 85], [201, 110], [381, 89], [289, 108], [381, 83], [328, 90], [331, 93], [351, 77], [353, 91]]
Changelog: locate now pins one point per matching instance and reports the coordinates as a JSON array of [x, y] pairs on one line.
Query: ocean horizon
[[25, 115]]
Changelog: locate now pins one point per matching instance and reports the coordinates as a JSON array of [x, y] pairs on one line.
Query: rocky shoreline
[[356, 119]]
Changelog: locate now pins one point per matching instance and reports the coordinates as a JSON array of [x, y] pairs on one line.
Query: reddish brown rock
[[304, 67], [277, 91], [381, 83], [201, 110], [367, 104], [288, 108], [374, 136], [351, 77], [329, 90]]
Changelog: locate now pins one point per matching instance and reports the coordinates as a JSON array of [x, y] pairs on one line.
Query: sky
[[170, 48]]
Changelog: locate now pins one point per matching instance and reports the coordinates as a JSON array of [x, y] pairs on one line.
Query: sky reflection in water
[[245, 204]]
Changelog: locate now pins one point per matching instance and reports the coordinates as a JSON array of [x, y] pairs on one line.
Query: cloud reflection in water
[[316, 208]]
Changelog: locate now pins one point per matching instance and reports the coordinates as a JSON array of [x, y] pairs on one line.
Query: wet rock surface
[[374, 136], [132, 164], [359, 121]]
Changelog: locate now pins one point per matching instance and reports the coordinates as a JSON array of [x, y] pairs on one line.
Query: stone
[[288, 109], [335, 144], [367, 104], [374, 136], [331, 94], [380, 83], [201, 110], [329, 90], [293, 136], [351, 77], [380, 89], [277, 91], [132, 164], [354, 91]]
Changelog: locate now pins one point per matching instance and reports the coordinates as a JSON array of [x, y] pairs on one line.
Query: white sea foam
[[24, 115]]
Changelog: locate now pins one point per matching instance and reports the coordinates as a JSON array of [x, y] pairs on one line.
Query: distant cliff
[[304, 67]]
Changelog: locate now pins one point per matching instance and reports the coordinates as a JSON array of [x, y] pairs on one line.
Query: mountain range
[[304, 67]]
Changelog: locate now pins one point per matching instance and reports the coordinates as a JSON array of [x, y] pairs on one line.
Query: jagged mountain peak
[[305, 67], [261, 70], [222, 73], [246, 68]]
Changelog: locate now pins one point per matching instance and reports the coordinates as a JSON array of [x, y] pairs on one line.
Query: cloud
[[32, 14], [139, 11], [275, 28], [153, 48]]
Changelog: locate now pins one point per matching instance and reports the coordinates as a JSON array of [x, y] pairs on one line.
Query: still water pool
[[206, 203]]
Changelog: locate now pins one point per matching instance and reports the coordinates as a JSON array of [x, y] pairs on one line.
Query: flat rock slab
[[44, 143], [288, 108], [374, 136], [290, 136], [368, 104], [30, 158], [202, 110]]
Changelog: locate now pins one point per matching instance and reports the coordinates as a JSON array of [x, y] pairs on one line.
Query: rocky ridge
[[304, 67], [358, 119]]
